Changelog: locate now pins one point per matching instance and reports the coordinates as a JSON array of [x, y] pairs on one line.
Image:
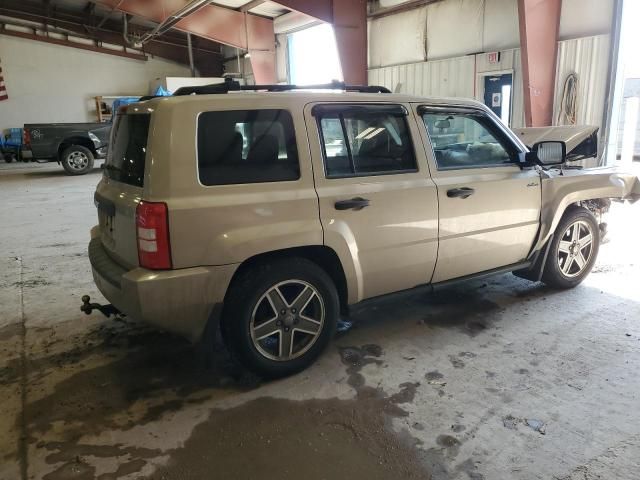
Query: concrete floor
[[494, 379]]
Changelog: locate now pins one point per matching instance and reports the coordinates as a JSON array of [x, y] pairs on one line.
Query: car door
[[489, 204], [378, 204]]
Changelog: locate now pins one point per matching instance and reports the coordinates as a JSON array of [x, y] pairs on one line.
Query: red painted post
[[539, 27]]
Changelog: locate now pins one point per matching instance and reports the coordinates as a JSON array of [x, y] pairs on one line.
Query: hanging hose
[[568, 112]]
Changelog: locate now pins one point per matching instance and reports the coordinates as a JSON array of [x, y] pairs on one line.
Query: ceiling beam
[[252, 4], [69, 43], [171, 45], [403, 7], [223, 25]]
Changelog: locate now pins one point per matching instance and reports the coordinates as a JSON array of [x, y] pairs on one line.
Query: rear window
[[246, 146], [128, 149]]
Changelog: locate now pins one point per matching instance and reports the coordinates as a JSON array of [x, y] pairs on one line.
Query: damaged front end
[[593, 189], [581, 141]]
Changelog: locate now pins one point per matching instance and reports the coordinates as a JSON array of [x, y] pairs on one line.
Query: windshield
[[126, 159]]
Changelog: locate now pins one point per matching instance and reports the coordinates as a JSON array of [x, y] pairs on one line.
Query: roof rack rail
[[230, 85]]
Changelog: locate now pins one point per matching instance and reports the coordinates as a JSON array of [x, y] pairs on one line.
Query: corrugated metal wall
[[453, 77], [587, 57], [447, 78]]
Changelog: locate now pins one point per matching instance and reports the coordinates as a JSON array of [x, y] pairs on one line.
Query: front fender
[[561, 190]]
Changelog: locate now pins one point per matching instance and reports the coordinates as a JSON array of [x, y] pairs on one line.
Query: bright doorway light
[[313, 56], [505, 110]]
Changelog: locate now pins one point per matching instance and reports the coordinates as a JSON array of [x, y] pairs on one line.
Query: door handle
[[357, 203], [464, 192]]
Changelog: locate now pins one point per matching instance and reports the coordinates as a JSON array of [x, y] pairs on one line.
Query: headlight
[[96, 141]]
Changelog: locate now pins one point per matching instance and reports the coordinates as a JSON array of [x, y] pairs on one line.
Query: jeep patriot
[[270, 212]]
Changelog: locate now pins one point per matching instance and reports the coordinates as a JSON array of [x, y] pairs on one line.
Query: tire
[[77, 160], [257, 332], [564, 248]]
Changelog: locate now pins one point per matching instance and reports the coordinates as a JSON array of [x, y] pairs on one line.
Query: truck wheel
[[573, 250], [77, 160], [280, 316]]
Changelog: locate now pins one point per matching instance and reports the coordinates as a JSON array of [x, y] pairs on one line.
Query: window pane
[[246, 146], [464, 140], [126, 158], [378, 143], [337, 160]]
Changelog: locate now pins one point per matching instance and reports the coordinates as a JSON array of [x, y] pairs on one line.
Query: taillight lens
[[26, 137], [152, 227]]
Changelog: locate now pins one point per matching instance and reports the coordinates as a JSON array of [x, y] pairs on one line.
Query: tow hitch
[[106, 310]]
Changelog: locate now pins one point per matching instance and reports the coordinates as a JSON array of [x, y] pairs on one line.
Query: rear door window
[[365, 140], [246, 146], [128, 150]]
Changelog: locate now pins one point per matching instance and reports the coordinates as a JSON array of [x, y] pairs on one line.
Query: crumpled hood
[[572, 135]]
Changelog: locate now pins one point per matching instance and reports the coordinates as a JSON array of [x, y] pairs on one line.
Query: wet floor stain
[[148, 375], [275, 439], [323, 438], [510, 422], [466, 310], [434, 375], [10, 331], [456, 362], [355, 358]]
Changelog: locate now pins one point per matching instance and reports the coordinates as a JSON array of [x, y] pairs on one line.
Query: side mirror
[[548, 154]]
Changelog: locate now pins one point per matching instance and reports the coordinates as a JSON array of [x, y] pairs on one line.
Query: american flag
[[3, 89]]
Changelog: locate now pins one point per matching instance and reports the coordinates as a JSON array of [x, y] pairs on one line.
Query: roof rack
[[230, 85]]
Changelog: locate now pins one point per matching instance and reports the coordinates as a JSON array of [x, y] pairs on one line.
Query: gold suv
[[269, 212]]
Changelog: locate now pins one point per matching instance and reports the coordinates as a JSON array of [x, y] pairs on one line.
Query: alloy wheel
[[287, 320], [575, 248]]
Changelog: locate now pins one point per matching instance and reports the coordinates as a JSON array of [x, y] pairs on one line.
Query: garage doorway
[[313, 56], [498, 91], [623, 128]]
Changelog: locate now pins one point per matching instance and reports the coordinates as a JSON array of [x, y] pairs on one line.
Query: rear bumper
[[180, 301]]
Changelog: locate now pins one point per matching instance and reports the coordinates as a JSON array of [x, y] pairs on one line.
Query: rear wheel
[[77, 160], [573, 250], [280, 316]]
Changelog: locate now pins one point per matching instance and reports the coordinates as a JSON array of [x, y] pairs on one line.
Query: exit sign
[[493, 57]]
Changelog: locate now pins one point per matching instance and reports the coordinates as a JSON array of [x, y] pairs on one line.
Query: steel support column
[[539, 27]]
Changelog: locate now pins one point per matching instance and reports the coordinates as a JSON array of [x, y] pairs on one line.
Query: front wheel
[[280, 316], [77, 160], [573, 250]]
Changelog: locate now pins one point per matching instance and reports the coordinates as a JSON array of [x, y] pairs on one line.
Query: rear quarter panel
[[226, 224]]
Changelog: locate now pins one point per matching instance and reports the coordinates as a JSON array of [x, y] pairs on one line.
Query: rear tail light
[[152, 227], [26, 137]]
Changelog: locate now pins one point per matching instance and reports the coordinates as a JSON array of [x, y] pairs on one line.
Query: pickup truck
[[73, 145]]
